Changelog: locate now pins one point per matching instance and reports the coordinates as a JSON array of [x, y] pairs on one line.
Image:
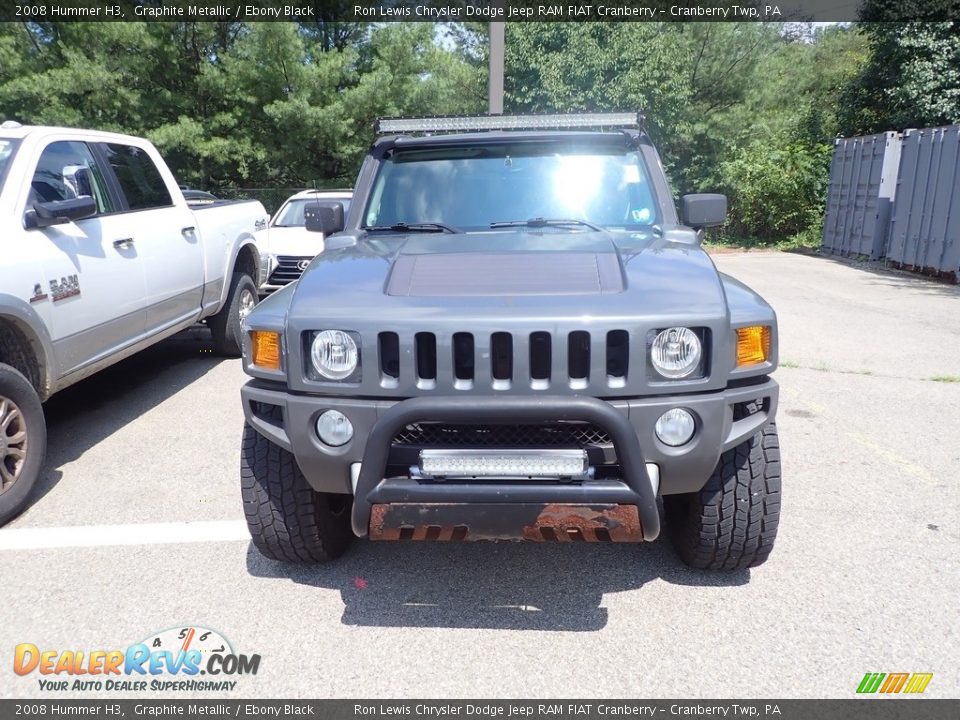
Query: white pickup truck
[[100, 256]]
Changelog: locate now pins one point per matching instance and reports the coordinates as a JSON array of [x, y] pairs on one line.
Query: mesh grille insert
[[576, 435]]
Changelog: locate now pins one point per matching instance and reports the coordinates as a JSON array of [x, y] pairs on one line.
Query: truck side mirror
[[59, 212], [701, 210], [323, 217]]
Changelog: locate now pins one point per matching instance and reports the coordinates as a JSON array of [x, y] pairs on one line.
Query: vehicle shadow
[[501, 586], [85, 414]]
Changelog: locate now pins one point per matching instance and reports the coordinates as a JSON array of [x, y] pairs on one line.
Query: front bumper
[[597, 502]]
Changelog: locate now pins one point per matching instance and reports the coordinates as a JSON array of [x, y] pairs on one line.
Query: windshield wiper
[[413, 227], [544, 222]]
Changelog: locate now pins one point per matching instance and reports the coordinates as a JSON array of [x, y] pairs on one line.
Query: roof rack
[[467, 123]]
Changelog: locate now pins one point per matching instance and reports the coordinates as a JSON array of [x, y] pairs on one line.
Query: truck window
[[138, 176], [67, 170], [292, 214], [6, 156], [471, 187]]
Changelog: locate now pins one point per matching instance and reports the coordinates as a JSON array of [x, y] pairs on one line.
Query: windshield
[[472, 187], [6, 157], [291, 214]]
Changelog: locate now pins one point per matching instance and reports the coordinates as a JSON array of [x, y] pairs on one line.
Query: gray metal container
[[925, 224], [863, 177]]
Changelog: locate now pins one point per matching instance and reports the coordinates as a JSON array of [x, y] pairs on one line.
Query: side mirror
[[703, 210], [77, 178], [58, 212], [323, 217]]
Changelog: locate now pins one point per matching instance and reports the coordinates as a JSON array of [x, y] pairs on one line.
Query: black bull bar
[[622, 510]]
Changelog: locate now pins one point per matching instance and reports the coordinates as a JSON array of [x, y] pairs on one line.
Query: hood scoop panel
[[505, 274]]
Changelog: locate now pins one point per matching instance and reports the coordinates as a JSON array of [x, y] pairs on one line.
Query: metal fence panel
[[862, 185], [925, 226]]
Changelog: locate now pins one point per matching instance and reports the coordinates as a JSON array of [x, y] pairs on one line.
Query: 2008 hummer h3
[[513, 336]]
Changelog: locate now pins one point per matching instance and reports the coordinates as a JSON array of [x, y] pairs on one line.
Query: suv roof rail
[[468, 123]]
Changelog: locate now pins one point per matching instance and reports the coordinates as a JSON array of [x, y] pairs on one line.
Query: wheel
[[288, 519], [225, 325], [23, 441], [731, 523]]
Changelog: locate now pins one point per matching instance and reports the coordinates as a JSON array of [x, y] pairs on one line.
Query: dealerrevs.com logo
[[188, 658]]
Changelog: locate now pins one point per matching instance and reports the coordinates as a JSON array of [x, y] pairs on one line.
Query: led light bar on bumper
[[503, 463], [451, 123]]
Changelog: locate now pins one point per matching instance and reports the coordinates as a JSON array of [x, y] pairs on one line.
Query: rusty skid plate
[[556, 522]]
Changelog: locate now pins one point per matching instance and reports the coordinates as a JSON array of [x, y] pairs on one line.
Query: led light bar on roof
[[453, 123]]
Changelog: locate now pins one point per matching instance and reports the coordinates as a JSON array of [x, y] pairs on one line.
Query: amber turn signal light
[[753, 345], [266, 349]]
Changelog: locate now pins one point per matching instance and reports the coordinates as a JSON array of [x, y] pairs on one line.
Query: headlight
[[675, 352], [334, 354]]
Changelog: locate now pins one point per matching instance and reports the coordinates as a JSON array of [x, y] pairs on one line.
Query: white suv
[[290, 247]]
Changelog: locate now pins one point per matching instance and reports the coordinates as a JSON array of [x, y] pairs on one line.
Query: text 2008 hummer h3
[[513, 336]]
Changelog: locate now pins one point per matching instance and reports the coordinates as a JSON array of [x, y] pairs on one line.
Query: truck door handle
[[188, 230], [123, 243]]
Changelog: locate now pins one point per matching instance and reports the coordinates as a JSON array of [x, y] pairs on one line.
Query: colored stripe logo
[[894, 683]]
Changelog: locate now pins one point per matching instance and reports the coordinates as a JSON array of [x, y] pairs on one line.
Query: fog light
[[675, 427], [334, 428]]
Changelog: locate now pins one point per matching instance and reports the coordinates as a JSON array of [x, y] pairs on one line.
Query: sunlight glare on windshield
[[576, 181]]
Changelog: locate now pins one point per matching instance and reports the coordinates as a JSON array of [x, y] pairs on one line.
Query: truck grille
[[502, 360], [549, 435], [288, 269]]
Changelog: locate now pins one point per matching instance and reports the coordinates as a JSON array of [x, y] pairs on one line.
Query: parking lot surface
[[137, 527]]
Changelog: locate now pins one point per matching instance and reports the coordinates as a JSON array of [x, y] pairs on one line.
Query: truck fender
[[244, 256], [26, 320]]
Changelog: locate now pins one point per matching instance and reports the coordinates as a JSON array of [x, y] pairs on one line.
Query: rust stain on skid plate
[[569, 523], [555, 522]]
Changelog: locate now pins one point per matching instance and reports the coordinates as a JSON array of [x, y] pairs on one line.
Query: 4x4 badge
[[38, 294]]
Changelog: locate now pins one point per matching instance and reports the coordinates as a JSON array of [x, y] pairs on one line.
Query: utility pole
[[495, 87]]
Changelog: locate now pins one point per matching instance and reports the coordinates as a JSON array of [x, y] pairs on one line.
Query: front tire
[[225, 326], [289, 520], [23, 441], [731, 524]]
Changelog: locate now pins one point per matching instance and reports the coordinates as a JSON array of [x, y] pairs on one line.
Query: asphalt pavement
[[137, 527]]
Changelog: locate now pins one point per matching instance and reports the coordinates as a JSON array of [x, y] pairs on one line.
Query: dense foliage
[[745, 108]]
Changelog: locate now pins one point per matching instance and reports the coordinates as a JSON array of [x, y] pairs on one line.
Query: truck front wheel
[[289, 520], [732, 522], [225, 326], [23, 441]]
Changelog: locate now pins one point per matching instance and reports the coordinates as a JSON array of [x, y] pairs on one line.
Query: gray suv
[[513, 335]]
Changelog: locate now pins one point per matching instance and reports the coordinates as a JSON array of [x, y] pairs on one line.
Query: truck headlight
[[334, 354], [675, 352]]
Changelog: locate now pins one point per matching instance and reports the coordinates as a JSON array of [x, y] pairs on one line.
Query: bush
[[775, 191]]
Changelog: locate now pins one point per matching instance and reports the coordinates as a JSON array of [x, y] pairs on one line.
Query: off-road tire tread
[[288, 520], [731, 523]]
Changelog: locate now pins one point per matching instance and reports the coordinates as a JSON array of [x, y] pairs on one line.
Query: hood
[[513, 274]]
